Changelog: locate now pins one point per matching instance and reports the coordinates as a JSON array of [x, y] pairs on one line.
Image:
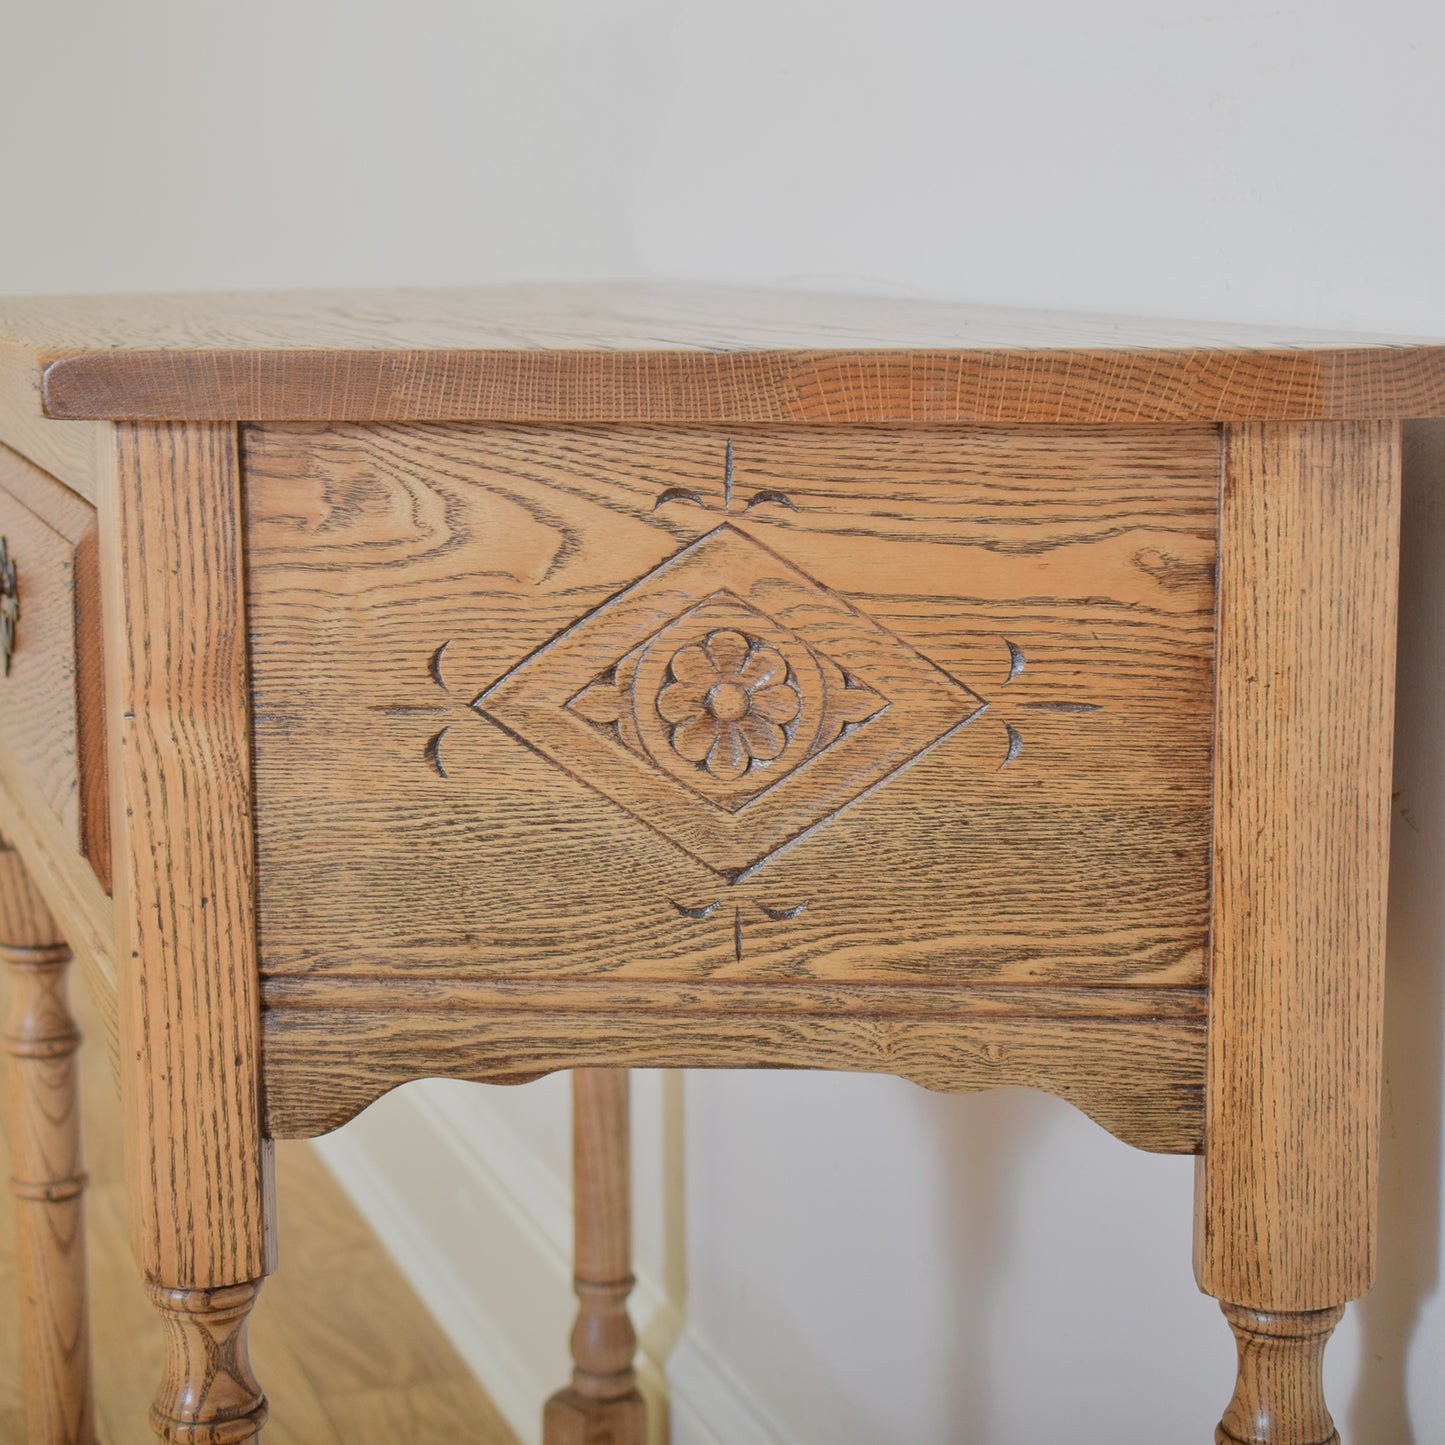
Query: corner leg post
[[1285, 1218], [178, 698]]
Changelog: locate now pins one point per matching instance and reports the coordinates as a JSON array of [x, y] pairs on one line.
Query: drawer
[[773, 715], [51, 692]]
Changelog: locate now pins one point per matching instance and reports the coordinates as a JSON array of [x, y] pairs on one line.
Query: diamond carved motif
[[729, 701]]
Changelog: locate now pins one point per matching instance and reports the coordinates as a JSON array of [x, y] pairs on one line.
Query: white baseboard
[[482, 1230], [710, 1405]]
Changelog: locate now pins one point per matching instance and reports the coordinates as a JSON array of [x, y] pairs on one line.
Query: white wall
[[828, 1260]]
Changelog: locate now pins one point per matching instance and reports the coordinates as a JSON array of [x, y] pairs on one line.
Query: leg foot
[[573, 1419], [208, 1395], [1279, 1398]]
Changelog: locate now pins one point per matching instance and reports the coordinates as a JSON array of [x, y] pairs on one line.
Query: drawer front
[[51, 728], [776, 714]]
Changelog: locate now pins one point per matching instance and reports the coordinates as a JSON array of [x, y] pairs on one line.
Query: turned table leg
[[1285, 1220], [208, 1395], [48, 1174], [602, 1405], [1279, 1397]]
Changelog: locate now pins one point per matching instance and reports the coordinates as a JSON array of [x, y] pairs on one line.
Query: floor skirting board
[[482, 1229]]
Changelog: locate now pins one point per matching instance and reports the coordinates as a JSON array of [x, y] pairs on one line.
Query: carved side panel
[[791, 706]]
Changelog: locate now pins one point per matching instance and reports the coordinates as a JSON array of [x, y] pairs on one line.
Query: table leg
[[208, 1394], [602, 1405], [1285, 1221], [198, 1164], [48, 1174], [1279, 1396]]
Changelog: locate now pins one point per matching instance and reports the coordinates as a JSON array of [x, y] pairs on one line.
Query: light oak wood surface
[[73, 894], [1310, 520], [610, 316], [189, 1011], [1142, 1079], [177, 678], [668, 353], [547, 678], [44, 526], [1279, 1398], [1030, 616], [65, 449], [990, 661], [1288, 1178], [47, 1171]]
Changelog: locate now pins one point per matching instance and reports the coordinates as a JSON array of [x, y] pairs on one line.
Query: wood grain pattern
[[25, 921], [60, 508], [65, 449], [398, 573], [45, 527], [1306, 675], [73, 894], [1028, 617], [607, 316], [665, 388], [47, 1168], [181, 749], [1285, 1219], [1280, 1396], [602, 1405], [208, 1394], [52, 775], [177, 671], [671, 354], [651, 996], [1140, 1079]]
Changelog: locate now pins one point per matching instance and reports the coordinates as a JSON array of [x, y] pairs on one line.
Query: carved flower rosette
[[731, 701], [726, 701]]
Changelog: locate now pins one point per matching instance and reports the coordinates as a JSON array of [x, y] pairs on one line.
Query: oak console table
[[483, 683]]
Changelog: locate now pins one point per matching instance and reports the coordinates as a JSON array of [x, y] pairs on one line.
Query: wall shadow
[[1409, 1252], [980, 1151]]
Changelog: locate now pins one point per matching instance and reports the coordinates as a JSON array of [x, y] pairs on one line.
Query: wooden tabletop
[[679, 354]]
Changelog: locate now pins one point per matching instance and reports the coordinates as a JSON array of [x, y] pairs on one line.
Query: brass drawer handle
[[9, 603]]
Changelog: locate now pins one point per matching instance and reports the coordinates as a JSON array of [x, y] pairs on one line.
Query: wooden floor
[[344, 1350]]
